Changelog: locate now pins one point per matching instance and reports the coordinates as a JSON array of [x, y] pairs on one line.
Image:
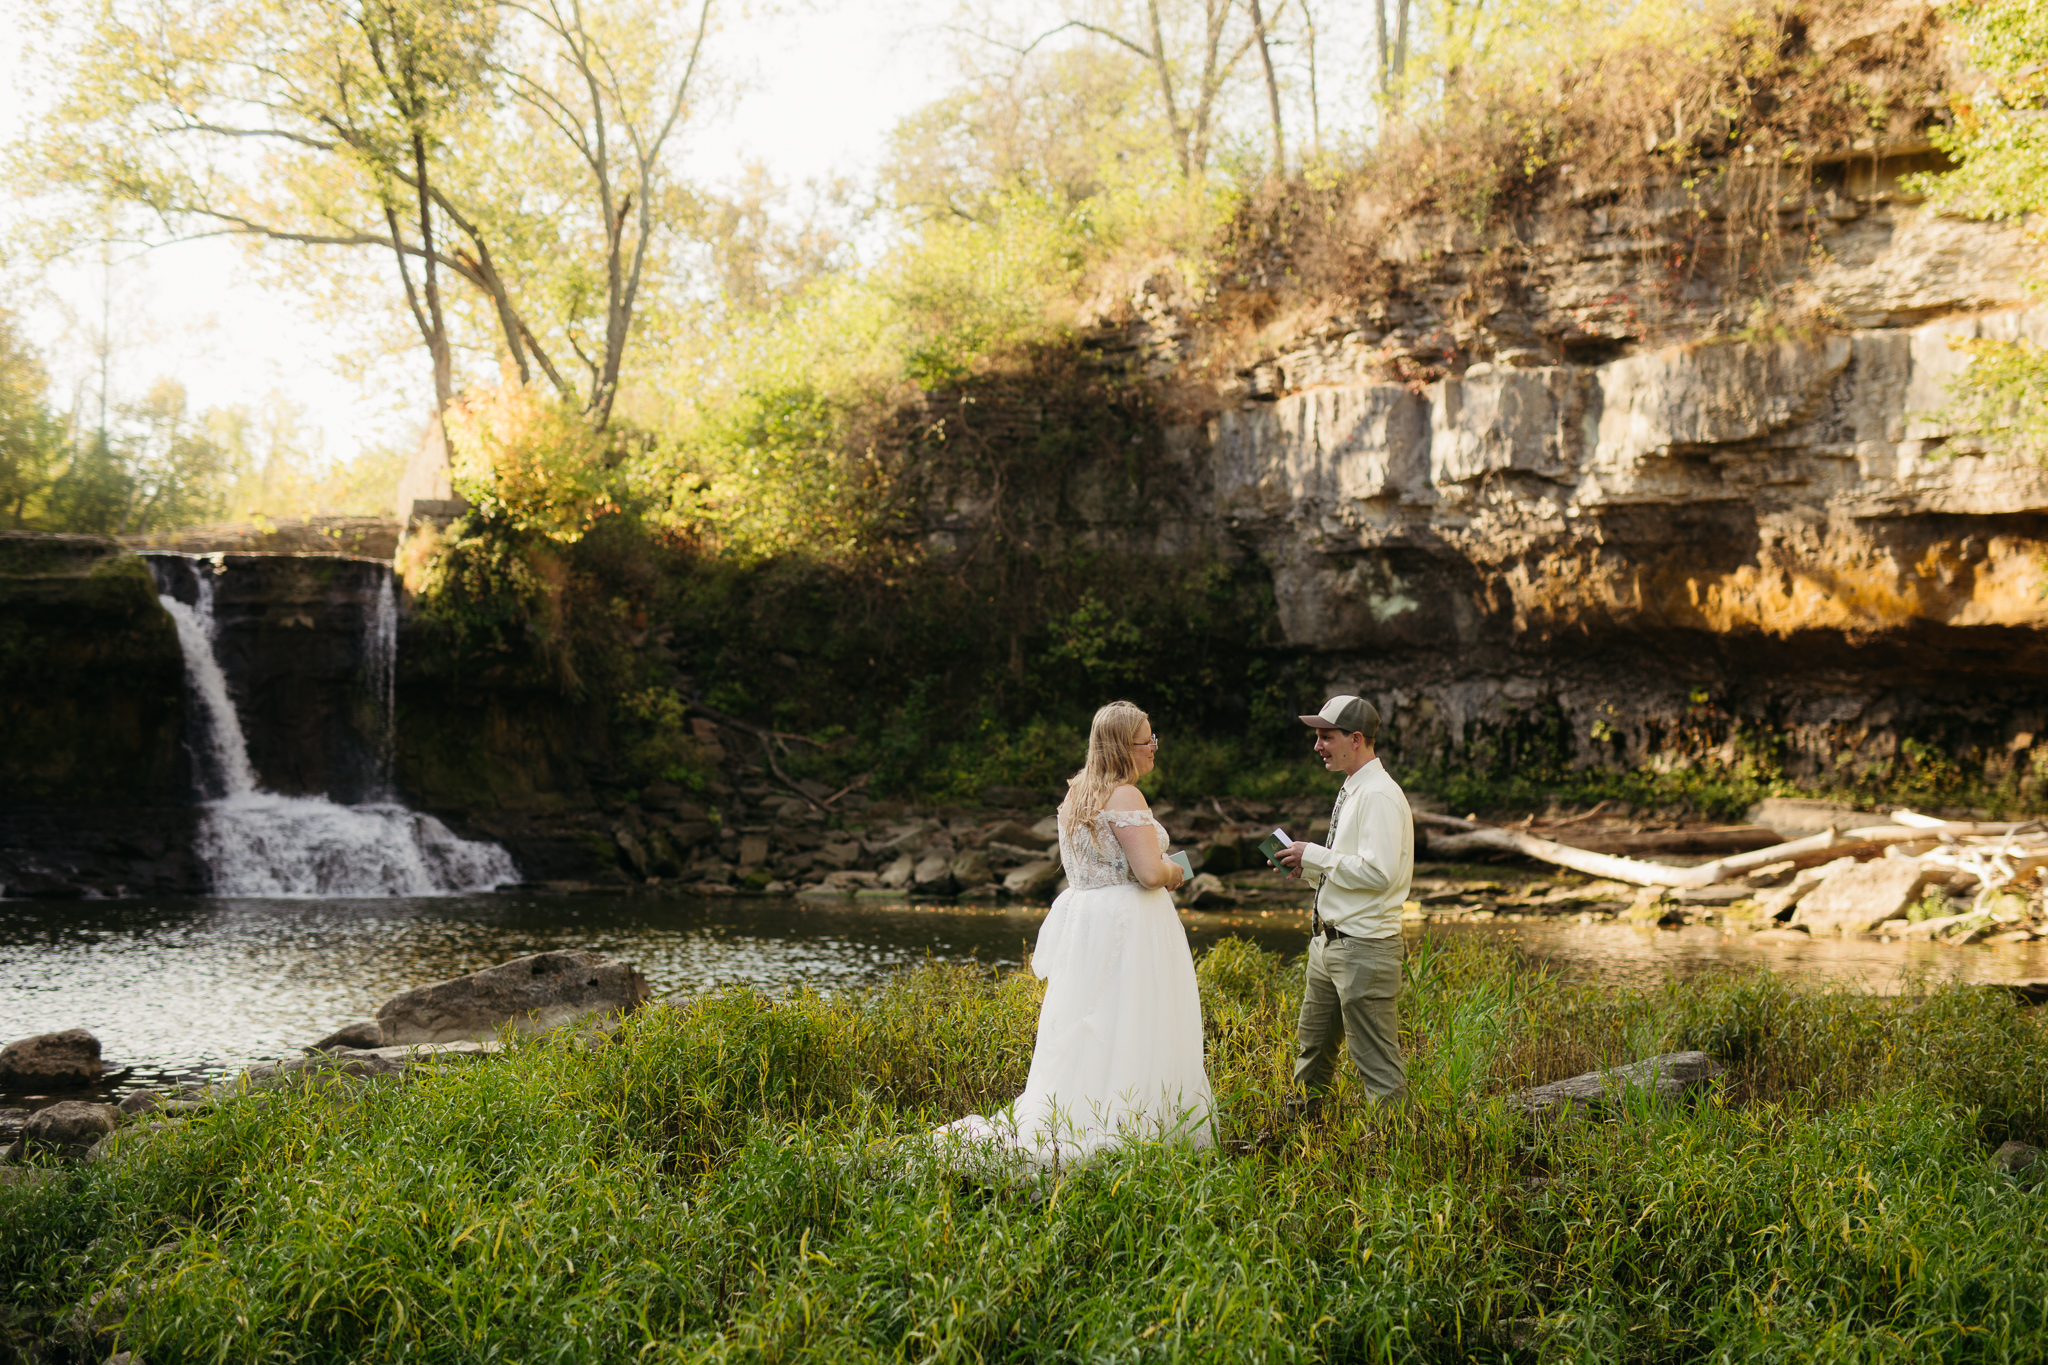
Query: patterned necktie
[[1336, 808]]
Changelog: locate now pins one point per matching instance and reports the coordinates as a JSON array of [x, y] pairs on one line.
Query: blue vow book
[[1180, 860]]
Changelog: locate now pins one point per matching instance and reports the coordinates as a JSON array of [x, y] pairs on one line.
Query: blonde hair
[[1111, 762]]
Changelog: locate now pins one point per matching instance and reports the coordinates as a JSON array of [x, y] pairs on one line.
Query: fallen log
[[1607, 865], [1723, 840], [1818, 848]]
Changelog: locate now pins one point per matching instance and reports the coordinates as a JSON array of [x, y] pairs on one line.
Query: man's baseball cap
[[1352, 715]]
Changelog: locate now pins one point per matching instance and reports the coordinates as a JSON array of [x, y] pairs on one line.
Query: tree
[[1272, 85], [31, 435], [1999, 141], [525, 148], [1389, 64], [181, 467], [1060, 127], [1190, 46]]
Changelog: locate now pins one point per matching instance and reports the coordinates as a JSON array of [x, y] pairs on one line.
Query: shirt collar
[[1363, 775]]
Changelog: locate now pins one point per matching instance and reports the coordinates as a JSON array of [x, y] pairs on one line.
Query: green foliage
[[2002, 394], [31, 434], [530, 461], [158, 465], [659, 742], [736, 1177], [1999, 140]]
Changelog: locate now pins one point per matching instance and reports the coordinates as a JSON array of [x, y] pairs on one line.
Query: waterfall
[[380, 665], [259, 843]]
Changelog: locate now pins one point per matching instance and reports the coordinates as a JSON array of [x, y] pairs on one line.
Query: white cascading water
[[259, 843]]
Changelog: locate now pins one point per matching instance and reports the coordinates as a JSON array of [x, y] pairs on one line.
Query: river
[[189, 989]]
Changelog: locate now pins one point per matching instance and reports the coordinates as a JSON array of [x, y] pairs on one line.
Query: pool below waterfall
[[183, 989]]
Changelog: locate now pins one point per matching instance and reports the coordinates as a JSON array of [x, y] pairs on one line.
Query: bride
[[1119, 1051]]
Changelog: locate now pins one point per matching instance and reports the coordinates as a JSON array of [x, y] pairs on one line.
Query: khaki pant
[[1352, 983]]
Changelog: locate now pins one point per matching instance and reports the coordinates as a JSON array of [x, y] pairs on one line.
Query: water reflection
[[179, 989]]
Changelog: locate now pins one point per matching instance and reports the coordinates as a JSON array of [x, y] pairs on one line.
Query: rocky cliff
[[1583, 492]]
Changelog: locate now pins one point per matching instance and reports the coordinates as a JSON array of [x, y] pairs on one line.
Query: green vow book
[[1272, 844]]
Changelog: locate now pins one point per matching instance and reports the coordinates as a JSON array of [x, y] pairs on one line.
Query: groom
[[1361, 879]]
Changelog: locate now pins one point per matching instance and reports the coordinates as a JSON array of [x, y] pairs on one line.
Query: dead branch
[[1826, 846]]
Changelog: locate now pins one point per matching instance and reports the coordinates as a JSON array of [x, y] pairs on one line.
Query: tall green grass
[[740, 1178]]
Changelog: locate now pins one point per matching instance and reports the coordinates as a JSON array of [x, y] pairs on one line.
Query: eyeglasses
[[1151, 743]]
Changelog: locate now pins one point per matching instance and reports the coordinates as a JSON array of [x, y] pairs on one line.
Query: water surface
[[181, 989]]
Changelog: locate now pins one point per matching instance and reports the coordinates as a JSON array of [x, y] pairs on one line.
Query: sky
[[821, 87]]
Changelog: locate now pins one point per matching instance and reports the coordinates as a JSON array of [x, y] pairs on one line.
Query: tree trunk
[[1382, 59], [1315, 105], [1164, 71], [1272, 87], [1400, 64], [437, 333]]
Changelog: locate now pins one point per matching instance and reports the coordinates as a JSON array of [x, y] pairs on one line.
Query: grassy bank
[[727, 1181]]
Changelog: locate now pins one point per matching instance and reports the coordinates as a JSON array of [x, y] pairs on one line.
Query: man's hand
[[1290, 859]]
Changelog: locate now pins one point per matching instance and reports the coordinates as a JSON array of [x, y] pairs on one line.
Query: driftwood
[[1719, 841], [1819, 848]]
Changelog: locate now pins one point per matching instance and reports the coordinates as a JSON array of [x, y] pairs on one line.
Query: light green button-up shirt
[[1366, 869]]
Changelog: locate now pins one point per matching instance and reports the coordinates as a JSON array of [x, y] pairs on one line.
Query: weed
[[738, 1176]]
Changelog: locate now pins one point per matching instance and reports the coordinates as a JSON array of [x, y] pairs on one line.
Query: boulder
[[1013, 833], [908, 839], [359, 1063], [1221, 854], [1792, 937], [687, 834], [69, 1127], [1206, 892], [51, 1061], [753, 850], [11, 1121], [1034, 880], [933, 873], [661, 796], [2014, 1157], [1010, 855], [971, 868], [1720, 893], [528, 994], [1047, 831], [897, 874], [1653, 905], [630, 849], [1668, 1076], [1858, 899], [843, 855], [140, 1102], [1796, 817], [355, 1033], [1778, 902], [128, 1136]]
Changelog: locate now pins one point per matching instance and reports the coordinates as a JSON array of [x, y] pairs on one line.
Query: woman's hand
[[1176, 877]]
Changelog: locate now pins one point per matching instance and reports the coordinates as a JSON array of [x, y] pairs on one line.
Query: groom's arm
[[1371, 866]]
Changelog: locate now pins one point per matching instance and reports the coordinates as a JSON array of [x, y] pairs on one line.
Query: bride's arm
[[1141, 845]]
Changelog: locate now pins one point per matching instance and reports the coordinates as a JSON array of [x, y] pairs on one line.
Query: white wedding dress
[[1119, 1051]]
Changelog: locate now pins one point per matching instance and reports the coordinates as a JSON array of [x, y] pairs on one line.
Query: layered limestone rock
[[1602, 512]]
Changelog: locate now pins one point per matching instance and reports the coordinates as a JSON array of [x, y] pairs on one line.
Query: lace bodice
[[1092, 856]]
